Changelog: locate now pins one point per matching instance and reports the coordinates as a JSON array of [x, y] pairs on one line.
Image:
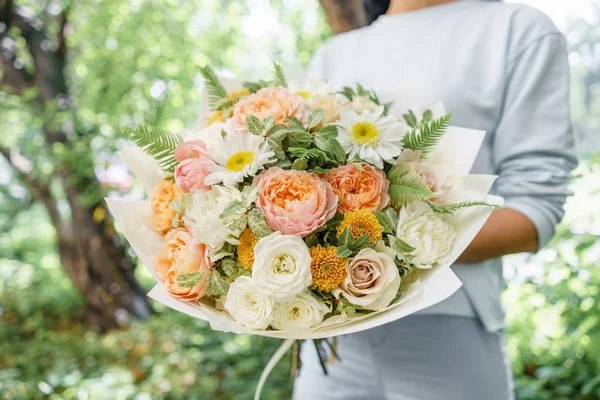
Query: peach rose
[[295, 202], [276, 102], [361, 187], [182, 255], [160, 202], [193, 167]]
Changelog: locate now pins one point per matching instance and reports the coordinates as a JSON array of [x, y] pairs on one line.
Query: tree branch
[[39, 190]]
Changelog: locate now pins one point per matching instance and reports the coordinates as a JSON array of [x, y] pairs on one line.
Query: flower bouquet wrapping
[[297, 212]]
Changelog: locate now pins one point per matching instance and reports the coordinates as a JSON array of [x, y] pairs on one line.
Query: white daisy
[[310, 88], [238, 156], [370, 136]]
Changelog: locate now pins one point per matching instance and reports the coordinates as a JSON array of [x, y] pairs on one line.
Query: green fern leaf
[[409, 189], [279, 76], [216, 93], [449, 209], [427, 136], [156, 142]]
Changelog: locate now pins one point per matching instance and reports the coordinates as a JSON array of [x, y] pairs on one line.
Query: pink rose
[[295, 202], [193, 167], [361, 187], [276, 102], [182, 255]]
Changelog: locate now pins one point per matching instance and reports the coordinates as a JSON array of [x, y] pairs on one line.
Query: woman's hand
[[506, 232]]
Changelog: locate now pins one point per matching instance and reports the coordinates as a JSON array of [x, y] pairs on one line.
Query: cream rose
[[373, 280], [303, 311], [282, 266], [362, 103], [249, 305], [202, 216], [429, 233], [438, 175]]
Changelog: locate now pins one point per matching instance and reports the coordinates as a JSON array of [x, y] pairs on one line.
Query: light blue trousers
[[429, 357]]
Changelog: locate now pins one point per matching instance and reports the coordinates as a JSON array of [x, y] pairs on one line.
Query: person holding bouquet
[[501, 68]]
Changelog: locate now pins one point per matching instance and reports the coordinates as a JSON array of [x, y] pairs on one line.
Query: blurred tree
[[91, 253]]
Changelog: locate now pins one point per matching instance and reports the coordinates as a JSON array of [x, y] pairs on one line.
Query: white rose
[[211, 135], [331, 104], [372, 280], [362, 103], [202, 216], [429, 233], [303, 311], [249, 305], [282, 266]]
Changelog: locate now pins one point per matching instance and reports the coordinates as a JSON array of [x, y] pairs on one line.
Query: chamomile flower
[[310, 88], [370, 136], [238, 156]]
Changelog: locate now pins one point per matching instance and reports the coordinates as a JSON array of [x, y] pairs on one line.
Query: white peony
[[202, 216], [372, 280], [429, 233], [249, 305], [282, 266], [303, 311]]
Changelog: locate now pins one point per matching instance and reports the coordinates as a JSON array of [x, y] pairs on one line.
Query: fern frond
[[279, 76], [306, 154], [449, 209], [408, 189], [157, 143], [427, 136], [215, 91]]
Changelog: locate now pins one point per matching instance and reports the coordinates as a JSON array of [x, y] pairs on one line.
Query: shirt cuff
[[533, 209]]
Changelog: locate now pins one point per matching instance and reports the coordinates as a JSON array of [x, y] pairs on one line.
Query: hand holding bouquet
[[299, 212]]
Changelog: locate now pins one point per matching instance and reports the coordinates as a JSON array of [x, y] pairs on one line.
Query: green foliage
[[406, 186], [427, 135], [216, 93], [450, 208], [190, 280], [254, 125], [388, 219], [215, 284], [279, 76], [258, 224], [348, 244], [157, 143], [350, 93]]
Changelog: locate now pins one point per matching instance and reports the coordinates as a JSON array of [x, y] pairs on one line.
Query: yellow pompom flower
[[217, 116], [238, 94], [327, 269], [361, 222], [245, 249]]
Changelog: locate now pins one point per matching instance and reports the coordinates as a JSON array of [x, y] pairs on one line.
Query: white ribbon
[[285, 346]]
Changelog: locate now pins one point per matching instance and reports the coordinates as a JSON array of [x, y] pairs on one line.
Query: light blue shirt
[[498, 67]]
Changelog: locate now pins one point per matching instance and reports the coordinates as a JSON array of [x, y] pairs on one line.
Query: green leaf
[[216, 285], [346, 238], [385, 221], [285, 164], [396, 173], [258, 224], [327, 131], [427, 116], [295, 122], [408, 188], [300, 164], [427, 135], [214, 89], [348, 92], [233, 210], [411, 119], [302, 139], [249, 195], [360, 243], [268, 123], [175, 221], [227, 250], [190, 279], [175, 205], [322, 143], [279, 76], [254, 125], [449, 209], [400, 245], [315, 118], [337, 151], [157, 143], [343, 252], [311, 240], [229, 267], [307, 154], [256, 86], [393, 214]]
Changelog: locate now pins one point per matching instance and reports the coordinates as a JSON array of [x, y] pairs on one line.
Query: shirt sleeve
[[533, 146]]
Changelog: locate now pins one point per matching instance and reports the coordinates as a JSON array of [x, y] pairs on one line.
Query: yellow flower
[[327, 269], [237, 94], [216, 117], [361, 222], [245, 249]]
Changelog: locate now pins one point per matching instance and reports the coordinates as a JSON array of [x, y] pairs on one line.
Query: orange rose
[[163, 216], [276, 102], [361, 187], [182, 255]]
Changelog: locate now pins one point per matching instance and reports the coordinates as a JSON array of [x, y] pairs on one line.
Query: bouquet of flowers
[[297, 212]]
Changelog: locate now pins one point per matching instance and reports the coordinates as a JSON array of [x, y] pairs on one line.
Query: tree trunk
[[90, 251], [344, 15]]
